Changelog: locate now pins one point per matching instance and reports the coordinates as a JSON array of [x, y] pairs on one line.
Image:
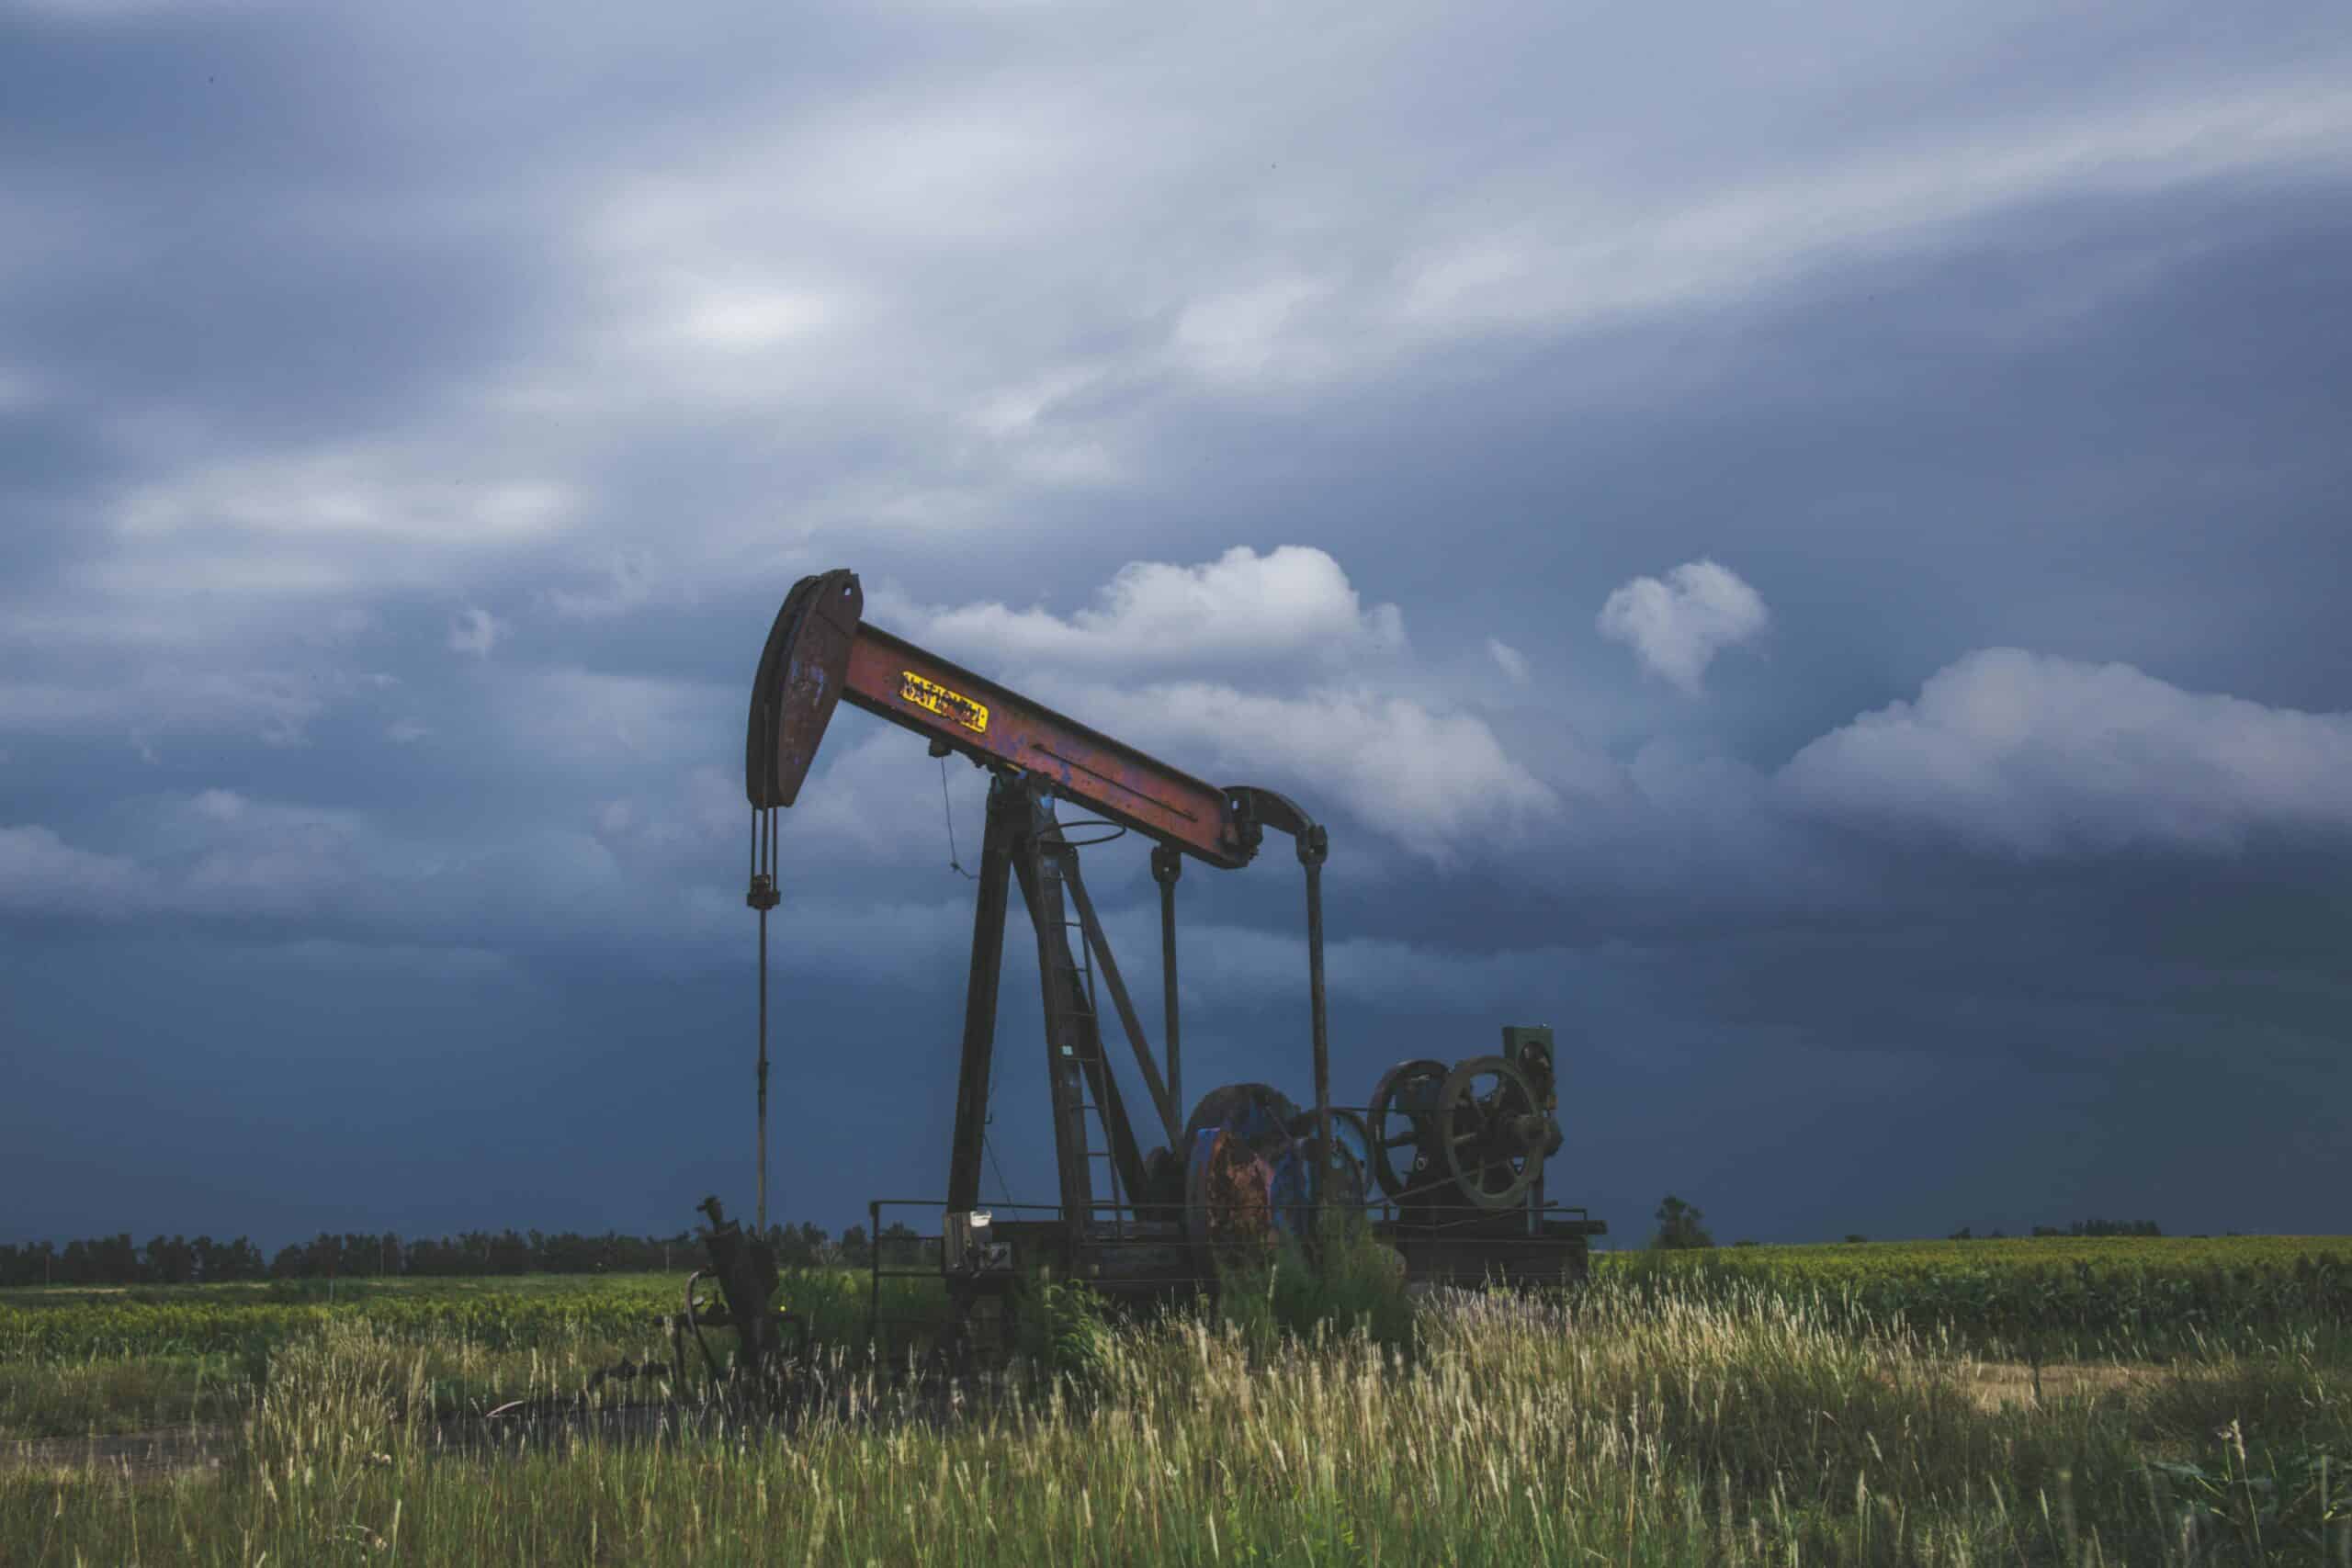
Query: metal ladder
[[1072, 1001]]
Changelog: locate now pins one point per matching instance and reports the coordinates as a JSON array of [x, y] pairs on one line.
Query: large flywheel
[[1493, 1131], [1401, 1123], [1343, 1173], [1236, 1149], [1256, 1175]]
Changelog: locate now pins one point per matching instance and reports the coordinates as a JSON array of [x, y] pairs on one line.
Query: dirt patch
[[1995, 1386]]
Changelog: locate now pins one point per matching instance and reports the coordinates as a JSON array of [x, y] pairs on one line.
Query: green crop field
[[2073, 1296], [78, 1361], [2173, 1256], [2125, 1401]]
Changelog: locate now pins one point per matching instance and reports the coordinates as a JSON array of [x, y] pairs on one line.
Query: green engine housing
[[1528, 1047]]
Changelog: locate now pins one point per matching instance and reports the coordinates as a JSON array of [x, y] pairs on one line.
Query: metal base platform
[[1152, 1256]]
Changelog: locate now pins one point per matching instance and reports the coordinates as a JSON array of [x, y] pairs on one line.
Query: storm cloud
[[1805, 551]]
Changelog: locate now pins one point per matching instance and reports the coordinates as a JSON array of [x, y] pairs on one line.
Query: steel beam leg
[[980, 1001]]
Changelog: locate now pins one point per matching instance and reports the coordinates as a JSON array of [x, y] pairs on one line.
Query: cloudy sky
[[1805, 551]]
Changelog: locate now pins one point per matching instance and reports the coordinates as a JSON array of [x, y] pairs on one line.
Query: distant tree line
[[118, 1260], [1681, 1226], [2079, 1228], [175, 1260]]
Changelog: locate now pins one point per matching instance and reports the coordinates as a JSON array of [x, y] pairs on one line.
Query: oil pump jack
[[1445, 1162]]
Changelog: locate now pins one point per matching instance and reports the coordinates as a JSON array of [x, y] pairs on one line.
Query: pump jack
[[1456, 1151]]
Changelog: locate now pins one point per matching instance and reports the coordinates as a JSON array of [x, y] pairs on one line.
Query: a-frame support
[[980, 1012], [1023, 843]]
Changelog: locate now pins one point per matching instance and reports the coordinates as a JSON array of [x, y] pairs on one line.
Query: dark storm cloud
[[408, 424]]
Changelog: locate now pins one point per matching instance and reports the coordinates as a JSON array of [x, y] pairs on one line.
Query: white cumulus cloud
[[1297, 707], [1292, 600], [1424, 776], [1675, 627], [2033, 754]]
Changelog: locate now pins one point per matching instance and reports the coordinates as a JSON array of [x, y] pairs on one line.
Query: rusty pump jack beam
[[819, 652]]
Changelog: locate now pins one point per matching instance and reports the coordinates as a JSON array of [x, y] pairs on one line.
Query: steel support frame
[[1020, 835], [819, 652]]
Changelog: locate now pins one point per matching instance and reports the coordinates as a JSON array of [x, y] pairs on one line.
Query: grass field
[[79, 1361], [2046, 1297], [2038, 1402]]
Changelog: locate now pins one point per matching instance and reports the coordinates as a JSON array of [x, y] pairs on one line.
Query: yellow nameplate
[[933, 697]]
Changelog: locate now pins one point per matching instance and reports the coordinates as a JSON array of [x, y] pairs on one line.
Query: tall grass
[[1623, 1424], [1350, 1284]]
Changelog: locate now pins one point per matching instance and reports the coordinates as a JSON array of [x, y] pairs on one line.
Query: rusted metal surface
[[819, 652], [1312, 847], [798, 683], [1236, 1145], [1167, 865], [978, 1058], [1247, 1168], [893, 679], [1258, 1174], [1022, 844], [1256, 811], [1109, 967], [1067, 1045]]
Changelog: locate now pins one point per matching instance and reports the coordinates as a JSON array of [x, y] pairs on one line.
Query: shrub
[[1680, 1225], [1349, 1283], [1063, 1327]]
